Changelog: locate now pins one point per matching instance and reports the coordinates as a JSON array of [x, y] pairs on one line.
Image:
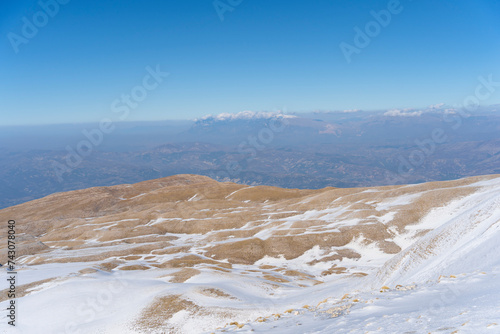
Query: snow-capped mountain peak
[[244, 115]]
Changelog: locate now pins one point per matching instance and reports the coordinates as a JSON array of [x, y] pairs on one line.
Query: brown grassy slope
[[229, 216]]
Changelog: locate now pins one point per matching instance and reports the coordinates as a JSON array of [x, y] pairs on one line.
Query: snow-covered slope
[[447, 281], [187, 254], [464, 236]]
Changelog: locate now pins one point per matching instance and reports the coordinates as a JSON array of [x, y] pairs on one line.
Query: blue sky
[[264, 55]]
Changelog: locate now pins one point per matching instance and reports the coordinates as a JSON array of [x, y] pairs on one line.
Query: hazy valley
[[313, 150]]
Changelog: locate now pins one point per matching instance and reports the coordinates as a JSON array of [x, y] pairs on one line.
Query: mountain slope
[[188, 254]]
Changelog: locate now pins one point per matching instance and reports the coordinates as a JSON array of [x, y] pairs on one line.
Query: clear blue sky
[[264, 55]]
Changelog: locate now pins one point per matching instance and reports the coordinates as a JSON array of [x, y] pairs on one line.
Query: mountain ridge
[[193, 248]]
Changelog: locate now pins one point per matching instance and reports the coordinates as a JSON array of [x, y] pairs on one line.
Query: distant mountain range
[[310, 150]]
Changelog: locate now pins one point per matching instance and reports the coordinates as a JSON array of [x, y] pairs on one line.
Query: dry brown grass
[[295, 273], [86, 271], [274, 278], [215, 293], [183, 275], [25, 245], [134, 267], [156, 315], [110, 265], [132, 258], [171, 250], [133, 249], [218, 269], [22, 290], [434, 197], [334, 270], [267, 193], [191, 261], [339, 255], [251, 250]]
